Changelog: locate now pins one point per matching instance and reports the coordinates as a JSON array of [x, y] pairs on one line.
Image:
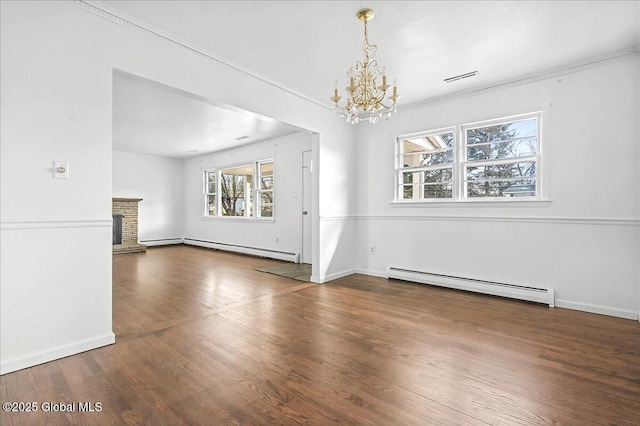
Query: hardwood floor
[[203, 338]]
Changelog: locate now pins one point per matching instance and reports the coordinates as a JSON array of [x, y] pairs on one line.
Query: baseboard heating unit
[[254, 251], [532, 294]]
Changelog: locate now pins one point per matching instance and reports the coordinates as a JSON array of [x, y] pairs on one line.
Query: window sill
[[472, 203], [239, 219]]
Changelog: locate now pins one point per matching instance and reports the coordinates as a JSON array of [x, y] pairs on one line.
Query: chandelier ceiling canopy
[[367, 97]]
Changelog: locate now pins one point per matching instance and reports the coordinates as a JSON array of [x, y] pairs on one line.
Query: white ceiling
[[306, 45], [150, 118]]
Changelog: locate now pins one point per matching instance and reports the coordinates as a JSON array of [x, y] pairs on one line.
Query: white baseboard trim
[[370, 272], [254, 251], [334, 276], [597, 309], [40, 357], [162, 242]]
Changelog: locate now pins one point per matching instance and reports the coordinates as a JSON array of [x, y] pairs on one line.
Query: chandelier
[[367, 100]]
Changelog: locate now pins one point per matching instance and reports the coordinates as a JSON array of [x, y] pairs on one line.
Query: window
[[493, 160], [426, 166], [210, 191], [501, 159], [265, 190], [231, 192]]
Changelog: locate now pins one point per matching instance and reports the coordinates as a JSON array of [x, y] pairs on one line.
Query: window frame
[[254, 193], [259, 191], [461, 163], [401, 170]]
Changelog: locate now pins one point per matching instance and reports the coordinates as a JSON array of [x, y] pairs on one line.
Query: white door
[[307, 169]]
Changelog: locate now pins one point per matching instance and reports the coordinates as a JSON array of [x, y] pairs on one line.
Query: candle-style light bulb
[[395, 96], [335, 98]]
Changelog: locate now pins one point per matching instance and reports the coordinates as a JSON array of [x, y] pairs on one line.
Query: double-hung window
[[501, 158], [265, 189], [494, 160], [245, 190], [425, 165]]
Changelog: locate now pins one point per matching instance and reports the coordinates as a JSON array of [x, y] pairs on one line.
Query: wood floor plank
[[204, 338]]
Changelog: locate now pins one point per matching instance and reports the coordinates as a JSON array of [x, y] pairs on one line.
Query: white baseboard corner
[[40, 357], [334, 276]]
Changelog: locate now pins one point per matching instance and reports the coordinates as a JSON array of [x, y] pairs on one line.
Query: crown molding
[[105, 12]]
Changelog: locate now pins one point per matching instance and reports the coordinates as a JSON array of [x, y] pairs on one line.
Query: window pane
[[407, 177], [501, 171], [266, 197], [438, 191], [232, 191], [211, 205], [406, 192], [266, 168], [210, 178], [510, 149], [502, 131], [428, 159], [502, 188], [266, 210], [427, 150], [235, 188], [266, 182], [442, 175]]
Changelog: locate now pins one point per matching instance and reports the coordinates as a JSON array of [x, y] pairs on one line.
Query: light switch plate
[[61, 169]]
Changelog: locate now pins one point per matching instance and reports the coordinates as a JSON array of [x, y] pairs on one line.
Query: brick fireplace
[[125, 224]]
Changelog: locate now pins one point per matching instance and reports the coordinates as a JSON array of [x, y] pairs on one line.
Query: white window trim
[[460, 163], [254, 190], [399, 171], [259, 191]]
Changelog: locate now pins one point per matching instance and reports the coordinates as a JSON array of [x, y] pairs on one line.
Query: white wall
[[287, 224], [57, 61], [55, 286], [159, 181], [584, 243]]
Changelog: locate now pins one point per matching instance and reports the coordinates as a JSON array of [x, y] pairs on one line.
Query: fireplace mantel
[[127, 200], [127, 208]]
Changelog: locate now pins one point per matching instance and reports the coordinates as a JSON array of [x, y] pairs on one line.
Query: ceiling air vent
[[461, 76], [239, 138]]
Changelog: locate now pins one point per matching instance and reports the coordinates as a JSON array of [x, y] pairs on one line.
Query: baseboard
[[371, 273], [162, 242], [334, 276], [559, 303], [254, 251], [597, 309], [40, 357], [521, 291]]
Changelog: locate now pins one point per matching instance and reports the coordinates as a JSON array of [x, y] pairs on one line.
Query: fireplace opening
[[117, 229]]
